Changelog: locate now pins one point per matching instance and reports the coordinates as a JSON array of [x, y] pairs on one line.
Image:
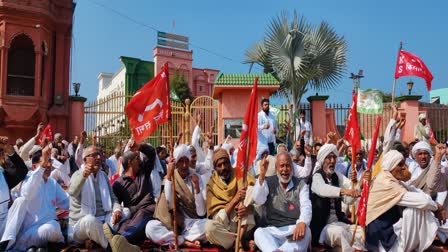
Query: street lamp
[[357, 78], [76, 87], [410, 85]]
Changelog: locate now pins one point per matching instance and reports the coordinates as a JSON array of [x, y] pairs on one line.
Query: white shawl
[[88, 200]]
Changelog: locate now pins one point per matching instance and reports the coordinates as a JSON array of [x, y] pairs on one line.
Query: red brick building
[[35, 42]]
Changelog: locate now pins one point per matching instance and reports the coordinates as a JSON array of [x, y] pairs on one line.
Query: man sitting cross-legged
[[32, 218], [288, 208], [224, 193], [92, 203], [190, 205]]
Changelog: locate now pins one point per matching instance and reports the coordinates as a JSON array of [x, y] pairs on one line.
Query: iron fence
[[106, 122], [437, 117]]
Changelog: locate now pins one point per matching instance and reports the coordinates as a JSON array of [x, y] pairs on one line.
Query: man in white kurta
[[267, 128], [303, 125], [188, 186], [61, 170], [286, 215], [387, 229], [330, 225], [92, 203], [32, 218]]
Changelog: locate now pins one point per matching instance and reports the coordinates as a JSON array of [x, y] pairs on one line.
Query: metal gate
[[105, 121]]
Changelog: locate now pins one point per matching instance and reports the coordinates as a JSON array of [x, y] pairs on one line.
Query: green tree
[[300, 55], [387, 97], [179, 84]]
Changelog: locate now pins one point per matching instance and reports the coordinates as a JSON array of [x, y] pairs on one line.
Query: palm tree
[[300, 56]]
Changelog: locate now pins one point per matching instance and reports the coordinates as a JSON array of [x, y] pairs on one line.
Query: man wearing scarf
[[32, 217], [288, 208], [387, 228], [190, 205], [93, 203], [224, 193], [420, 167], [329, 188], [134, 190]]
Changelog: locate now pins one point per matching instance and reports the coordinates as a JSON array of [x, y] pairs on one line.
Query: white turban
[[35, 149], [325, 150], [422, 145], [421, 116], [391, 159], [227, 146], [181, 151]]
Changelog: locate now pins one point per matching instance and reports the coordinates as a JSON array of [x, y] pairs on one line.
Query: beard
[[282, 180]]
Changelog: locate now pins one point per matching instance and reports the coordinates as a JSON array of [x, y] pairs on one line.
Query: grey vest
[[283, 207]]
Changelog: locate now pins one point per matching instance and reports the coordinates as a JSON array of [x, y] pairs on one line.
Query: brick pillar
[[318, 115], [409, 104], [76, 124]]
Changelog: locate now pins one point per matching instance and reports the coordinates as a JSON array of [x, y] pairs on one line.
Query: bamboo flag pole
[[353, 182], [366, 183], [238, 234], [173, 186], [395, 79]]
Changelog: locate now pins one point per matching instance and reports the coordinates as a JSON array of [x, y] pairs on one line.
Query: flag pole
[[367, 182], [238, 234], [395, 79], [173, 187]]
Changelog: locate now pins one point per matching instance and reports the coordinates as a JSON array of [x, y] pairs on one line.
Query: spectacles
[[95, 154]]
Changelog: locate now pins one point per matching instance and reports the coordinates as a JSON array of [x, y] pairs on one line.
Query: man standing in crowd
[[267, 128]]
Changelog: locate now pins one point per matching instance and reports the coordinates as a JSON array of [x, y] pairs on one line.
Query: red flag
[[432, 138], [352, 129], [248, 134], [46, 133], [362, 206], [409, 64], [150, 106]]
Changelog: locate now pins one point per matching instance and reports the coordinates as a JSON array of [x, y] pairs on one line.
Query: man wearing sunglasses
[[93, 203]]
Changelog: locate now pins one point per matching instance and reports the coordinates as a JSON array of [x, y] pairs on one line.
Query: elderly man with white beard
[[389, 229], [288, 208], [329, 224], [32, 218]]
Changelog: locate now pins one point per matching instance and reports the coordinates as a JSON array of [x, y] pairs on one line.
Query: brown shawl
[[185, 203], [385, 192], [220, 194], [420, 181]]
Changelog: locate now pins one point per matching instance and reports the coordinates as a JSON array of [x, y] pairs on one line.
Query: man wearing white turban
[[422, 129], [420, 166], [190, 204], [329, 224], [386, 228]]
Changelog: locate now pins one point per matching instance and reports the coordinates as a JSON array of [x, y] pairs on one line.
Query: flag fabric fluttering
[[46, 133], [248, 138], [362, 206], [409, 64], [432, 138], [370, 101], [352, 133], [150, 106]]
